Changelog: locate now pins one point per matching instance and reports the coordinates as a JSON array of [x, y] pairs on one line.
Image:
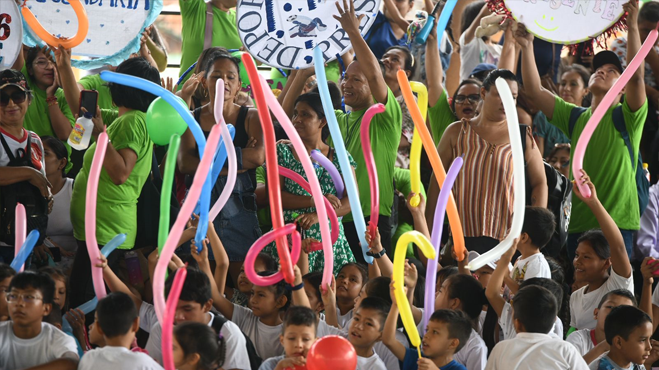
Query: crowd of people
[[575, 291]]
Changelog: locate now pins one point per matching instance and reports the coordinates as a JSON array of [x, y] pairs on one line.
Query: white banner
[[283, 33], [11, 33]]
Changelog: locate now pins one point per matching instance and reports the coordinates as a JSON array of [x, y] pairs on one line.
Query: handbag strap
[[208, 33]]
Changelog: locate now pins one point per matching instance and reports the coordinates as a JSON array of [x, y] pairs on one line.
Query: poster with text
[[11, 33]]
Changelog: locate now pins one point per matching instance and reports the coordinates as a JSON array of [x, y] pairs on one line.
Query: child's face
[[27, 307], [587, 265], [263, 301], [4, 285], [360, 296], [244, 285], [365, 328], [436, 340], [483, 274], [60, 293], [191, 311], [442, 300], [612, 302], [348, 283], [178, 356], [95, 337], [297, 340], [637, 347], [314, 302]]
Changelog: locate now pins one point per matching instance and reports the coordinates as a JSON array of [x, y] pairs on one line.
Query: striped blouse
[[484, 187]]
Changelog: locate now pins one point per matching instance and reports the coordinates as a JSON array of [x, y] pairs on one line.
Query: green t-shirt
[[332, 72], [116, 205], [385, 136], [403, 181], [193, 16], [607, 163], [94, 82], [440, 116]]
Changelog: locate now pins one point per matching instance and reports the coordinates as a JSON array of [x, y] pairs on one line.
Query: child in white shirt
[[366, 329]]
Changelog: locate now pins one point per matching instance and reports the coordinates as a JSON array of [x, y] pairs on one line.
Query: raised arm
[[434, 71], [508, 52], [115, 284], [536, 173], [389, 332], [375, 246], [648, 265], [68, 79], [470, 32], [635, 88], [204, 264], [298, 296], [369, 64], [493, 289], [394, 14]]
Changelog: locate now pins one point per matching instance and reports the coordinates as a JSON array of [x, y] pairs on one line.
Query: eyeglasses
[[44, 63], [27, 298], [473, 98], [17, 97]]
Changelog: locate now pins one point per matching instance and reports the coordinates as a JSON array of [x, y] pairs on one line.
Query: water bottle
[[134, 268], [82, 132], [646, 172]]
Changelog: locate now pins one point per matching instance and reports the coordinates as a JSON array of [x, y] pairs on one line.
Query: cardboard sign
[[115, 26], [283, 33], [566, 21], [11, 33]]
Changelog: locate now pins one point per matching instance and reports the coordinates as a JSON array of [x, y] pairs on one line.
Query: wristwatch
[[377, 255]]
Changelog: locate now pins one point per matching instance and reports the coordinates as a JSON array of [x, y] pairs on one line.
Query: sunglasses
[[473, 98], [17, 97]]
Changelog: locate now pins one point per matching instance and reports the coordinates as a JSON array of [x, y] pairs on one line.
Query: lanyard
[[351, 130]]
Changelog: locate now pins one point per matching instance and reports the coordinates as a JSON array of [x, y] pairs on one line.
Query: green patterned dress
[[342, 252]]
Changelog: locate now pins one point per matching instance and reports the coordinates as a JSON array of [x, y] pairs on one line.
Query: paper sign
[[283, 33], [11, 33], [115, 26], [566, 21]]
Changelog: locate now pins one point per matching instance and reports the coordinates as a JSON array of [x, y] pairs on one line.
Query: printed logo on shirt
[[37, 155]]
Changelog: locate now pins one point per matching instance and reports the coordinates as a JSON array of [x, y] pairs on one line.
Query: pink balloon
[[310, 171], [258, 246], [181, 220], [170, 313], [231, 152], [370, 166], [90, 214], [20, 229], [603, 107]]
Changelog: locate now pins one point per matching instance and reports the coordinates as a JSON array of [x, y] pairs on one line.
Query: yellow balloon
[[415, 152], [399, 278]]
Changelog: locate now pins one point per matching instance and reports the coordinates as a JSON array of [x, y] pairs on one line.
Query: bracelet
[[377, 255], [294, 288], [51, 99]]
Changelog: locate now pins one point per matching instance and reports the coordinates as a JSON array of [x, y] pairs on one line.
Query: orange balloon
[[67, 42], [435, 161]]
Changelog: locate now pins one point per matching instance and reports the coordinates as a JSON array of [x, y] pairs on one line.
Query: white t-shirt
[[655, 296], [236, 348], [15, 144], [51, 344], [271, 363], [533, 266], [343, 319], [370, 363], [581, 340], [529, 351], [595, 365], [475, 53], [264, 337], [116, 358], [508, 326], [474, 354], [60, 229], [582, 304]]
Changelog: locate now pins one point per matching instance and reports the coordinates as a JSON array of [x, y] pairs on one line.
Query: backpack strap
[[522, 134], [619, 124], [218, 323], [575, 113], [7, 149], [208, 33]]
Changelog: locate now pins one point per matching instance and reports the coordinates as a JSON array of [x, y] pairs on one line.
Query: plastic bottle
[[134, 268], [82, 132], [646, 172]]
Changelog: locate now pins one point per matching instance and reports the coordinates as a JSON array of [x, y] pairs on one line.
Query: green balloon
[[162, 121], [244, 79]]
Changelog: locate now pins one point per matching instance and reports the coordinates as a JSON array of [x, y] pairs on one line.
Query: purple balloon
[[436, 238], [318, 156]]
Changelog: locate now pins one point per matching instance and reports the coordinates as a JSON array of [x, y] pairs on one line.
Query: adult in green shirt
[[363, 83], [125, 169], [606, 159], [193, 31]]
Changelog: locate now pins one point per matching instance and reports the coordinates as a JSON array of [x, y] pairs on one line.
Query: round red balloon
[[332, 353]]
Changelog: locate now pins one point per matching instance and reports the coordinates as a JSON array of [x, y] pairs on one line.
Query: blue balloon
[[341, 152], [25, 250], [118, 240], [441, 23]]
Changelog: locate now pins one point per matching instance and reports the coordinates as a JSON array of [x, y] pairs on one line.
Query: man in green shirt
[[362, 83], [606, 159], [193, 32]]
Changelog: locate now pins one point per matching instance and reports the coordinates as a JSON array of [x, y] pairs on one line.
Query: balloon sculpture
[[170, 313], [69, 43], [20, 228], [370, 166], [415, 151], [318, 156], [166, 191], [162, 121]]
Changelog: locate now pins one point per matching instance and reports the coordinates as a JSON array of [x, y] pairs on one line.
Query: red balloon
[[332, 353]]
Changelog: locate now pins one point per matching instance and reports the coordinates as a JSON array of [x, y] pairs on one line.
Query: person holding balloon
[[619, 188], [237, 223], [483, 189]]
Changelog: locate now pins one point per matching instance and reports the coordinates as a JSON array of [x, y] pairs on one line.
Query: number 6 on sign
[[11, 33]]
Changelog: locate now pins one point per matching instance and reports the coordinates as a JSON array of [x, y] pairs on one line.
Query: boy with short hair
[[366, 329], [298, 334], [117, 321], [32, 343], [6, 273], [534, 314], [539, 225], [628, 331]]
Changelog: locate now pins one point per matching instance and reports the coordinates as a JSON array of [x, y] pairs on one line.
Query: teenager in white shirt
[[534, 310], [598, 252], [117, 321]]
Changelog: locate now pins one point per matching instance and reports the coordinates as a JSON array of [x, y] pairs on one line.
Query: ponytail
[[194, 337]]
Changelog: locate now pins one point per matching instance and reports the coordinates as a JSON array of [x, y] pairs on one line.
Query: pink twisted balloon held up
[[257, 247], [182, 218], [170, 313], [370, 166], [90, 213], [603, 107], [232, 163], [20, 229]]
